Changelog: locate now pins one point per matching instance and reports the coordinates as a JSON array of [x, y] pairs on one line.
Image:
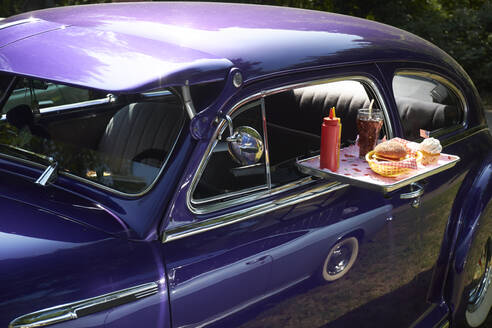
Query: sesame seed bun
[[390, 151]]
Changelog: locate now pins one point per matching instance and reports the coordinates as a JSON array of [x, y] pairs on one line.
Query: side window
[[427, 104], [293, 131], [223, 177], [294, 120], [39, 94]]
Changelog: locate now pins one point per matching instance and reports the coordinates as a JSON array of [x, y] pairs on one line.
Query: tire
[[340, 259]]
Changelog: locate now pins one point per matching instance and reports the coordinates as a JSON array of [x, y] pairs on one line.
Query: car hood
[[22, 200]]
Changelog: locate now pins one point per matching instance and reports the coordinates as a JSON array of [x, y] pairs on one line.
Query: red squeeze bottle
[[330, 142]]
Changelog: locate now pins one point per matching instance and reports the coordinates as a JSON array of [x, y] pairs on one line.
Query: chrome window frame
[[249, 190], [213, 205], [447, 83], [110, 98], [101, 101]]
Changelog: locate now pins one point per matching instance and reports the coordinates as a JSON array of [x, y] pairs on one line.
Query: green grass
[[487, 101]]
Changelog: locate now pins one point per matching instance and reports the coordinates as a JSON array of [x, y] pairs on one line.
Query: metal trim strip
[[267, 145], [245, 214], [109, 99], [78, 309]]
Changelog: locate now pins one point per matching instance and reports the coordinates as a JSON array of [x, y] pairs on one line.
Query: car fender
[[55, 269], [472, 217]]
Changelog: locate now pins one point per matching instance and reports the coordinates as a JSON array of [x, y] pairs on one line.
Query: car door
[[247, 242], [452, 122]]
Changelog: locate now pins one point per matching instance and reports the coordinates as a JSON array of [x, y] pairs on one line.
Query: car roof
[[134, 47]]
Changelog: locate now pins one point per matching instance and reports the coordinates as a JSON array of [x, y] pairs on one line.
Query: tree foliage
[[463, 28]]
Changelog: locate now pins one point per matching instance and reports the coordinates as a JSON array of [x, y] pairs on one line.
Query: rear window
[[428, 104], [117, 142]]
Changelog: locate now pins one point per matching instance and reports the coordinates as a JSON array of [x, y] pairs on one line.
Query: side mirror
[[245, 145]]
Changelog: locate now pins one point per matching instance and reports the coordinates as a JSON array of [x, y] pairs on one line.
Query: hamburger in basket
[[391, 159]]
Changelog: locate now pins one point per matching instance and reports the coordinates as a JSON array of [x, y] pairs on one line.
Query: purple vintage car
[[150, 172]]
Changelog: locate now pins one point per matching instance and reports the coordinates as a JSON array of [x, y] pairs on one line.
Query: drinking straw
[[370, 108]]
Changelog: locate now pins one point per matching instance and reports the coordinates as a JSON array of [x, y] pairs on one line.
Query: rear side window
[[428, 104], [291, 130], [294, 120]]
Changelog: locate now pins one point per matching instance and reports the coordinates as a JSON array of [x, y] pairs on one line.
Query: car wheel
[[340, 259], [480, 298]]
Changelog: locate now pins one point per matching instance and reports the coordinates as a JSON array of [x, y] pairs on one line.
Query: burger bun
[[390, 151]]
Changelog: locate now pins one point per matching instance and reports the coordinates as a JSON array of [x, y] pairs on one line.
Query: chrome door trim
[[465, 135], [267, 145], [200, 206], [250, 212], [78, 309]]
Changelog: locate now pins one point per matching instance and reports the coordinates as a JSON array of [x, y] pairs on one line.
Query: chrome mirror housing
[[245, 145]]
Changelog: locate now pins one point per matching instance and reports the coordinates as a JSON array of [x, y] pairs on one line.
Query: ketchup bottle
[[330, 142]]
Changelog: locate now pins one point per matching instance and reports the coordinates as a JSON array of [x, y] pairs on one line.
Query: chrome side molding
[[85, 307], [245, 214]]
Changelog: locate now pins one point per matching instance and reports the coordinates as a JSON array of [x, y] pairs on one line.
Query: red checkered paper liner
[[393, 168], [410, 146]]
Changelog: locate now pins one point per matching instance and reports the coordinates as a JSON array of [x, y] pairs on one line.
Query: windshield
[[120, 142]]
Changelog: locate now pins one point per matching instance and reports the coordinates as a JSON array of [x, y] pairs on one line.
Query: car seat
[[144, 131]]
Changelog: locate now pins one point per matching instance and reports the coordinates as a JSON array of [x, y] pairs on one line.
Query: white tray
[[357, 172]]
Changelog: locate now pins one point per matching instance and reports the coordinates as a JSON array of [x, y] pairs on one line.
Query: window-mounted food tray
[[356, 171]]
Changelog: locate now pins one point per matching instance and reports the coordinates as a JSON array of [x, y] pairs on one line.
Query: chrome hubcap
[[477, 295], [339, 260]]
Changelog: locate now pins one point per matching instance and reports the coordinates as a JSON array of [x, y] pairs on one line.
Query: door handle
[[261, 259]]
